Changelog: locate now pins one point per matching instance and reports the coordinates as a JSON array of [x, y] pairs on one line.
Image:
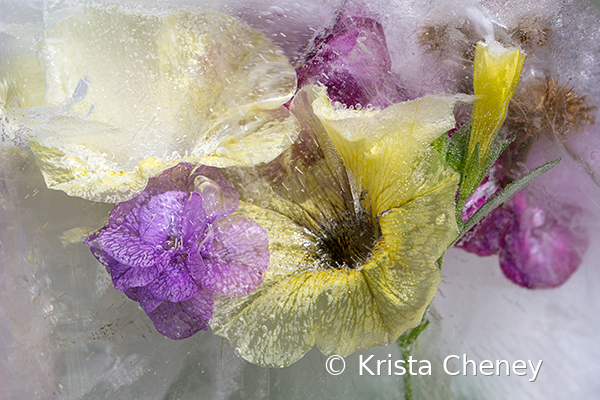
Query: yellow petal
[[388, 151], [422, 229], [375, 305], [307, 183], [170, 85], [258, 325], [306, 300], [342, 311], [496, 73]]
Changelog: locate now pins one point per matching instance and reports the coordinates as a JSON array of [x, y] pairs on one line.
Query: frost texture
[[127, 92], [61, 340]]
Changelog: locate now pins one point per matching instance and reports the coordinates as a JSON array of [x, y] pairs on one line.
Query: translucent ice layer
[[134, 91], [65, 333]]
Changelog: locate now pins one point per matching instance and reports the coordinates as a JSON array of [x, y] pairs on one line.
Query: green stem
[[406, 342], [408, 391]]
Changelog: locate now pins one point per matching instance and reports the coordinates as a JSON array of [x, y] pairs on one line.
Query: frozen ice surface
[[65, 333]]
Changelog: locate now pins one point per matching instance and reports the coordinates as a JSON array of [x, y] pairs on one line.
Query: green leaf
[[474, 174], [471, 173], [497, 148], [505, 194], [458, 146], [440, 144]]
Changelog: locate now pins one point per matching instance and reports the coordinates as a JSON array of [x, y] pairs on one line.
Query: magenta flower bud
[[485, 237], [352, 60]]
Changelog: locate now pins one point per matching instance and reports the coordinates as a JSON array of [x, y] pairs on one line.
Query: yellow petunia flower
[[357, 212], [133, 92], [496, 73]]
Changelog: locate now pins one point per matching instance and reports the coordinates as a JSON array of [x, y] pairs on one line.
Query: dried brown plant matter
[[550, 107]]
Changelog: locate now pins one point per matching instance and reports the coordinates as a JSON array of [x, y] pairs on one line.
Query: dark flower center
[[348, 239]]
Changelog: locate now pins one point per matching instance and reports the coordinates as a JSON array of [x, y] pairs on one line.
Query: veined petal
[[193, 220], [126, 277], [183, 319], [419, 231], [275, 325], [136, 93], [161, 218], [496, 73], [388, 151], [373, 306], [174, 283], [128, 249], [258, 324], [147, 300], [237, 257], [300, 303]]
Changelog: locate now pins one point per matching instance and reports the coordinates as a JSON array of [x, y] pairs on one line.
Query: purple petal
[[132, 293], [237, 257], [128, 249], [174, 283], [179, 178], [352, 61], [160, 219], [193, 220], [125, 277], [195, 265], [147, 300], [93, 242], [540, 250], [184, 319], [126, 214], [219, 199], [485, 238], [182, 178]]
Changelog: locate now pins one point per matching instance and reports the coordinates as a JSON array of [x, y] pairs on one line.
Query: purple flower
[[538, 245], [352, 60], [176, 245], [540, 249]]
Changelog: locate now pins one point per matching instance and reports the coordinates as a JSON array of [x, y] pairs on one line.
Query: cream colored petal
[[21, 82], [389, 152], [171, 85]]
